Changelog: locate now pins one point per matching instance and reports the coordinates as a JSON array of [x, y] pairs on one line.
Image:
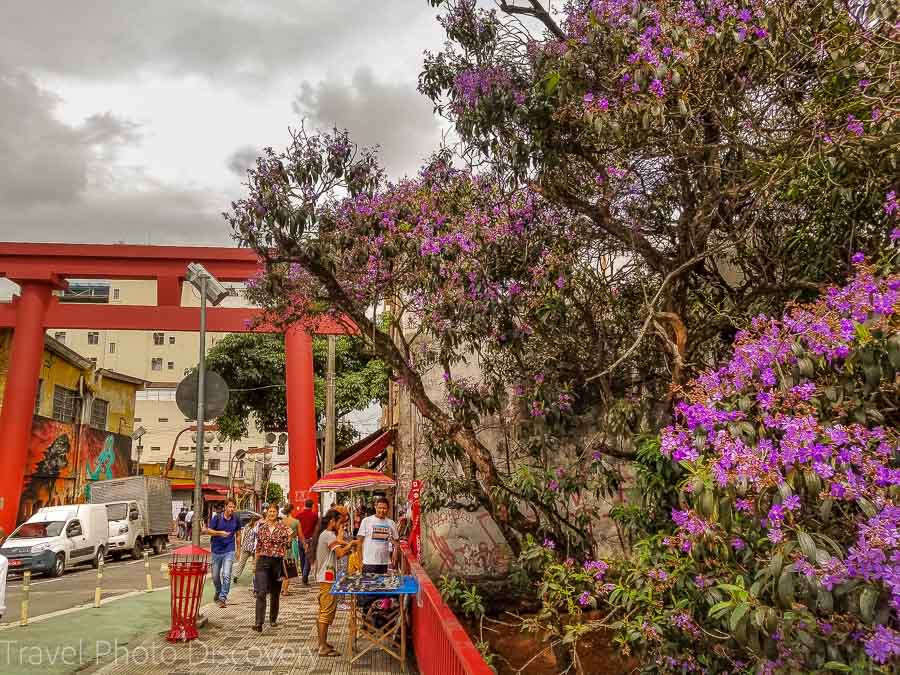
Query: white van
[[58, 536]]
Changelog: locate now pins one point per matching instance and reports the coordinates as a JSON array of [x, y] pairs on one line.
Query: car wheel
[[138, 551], [59, 566], [95, 563], [157, 546], [116, 555]]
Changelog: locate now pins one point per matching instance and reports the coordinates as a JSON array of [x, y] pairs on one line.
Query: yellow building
[[81, 429]]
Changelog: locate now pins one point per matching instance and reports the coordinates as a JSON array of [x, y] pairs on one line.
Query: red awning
[[369, 451], [214, 498], [221, 489]]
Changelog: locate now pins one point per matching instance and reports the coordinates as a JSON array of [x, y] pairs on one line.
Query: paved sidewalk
[[227, 645]]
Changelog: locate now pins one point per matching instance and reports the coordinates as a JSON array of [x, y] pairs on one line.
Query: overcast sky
[[135, 121]]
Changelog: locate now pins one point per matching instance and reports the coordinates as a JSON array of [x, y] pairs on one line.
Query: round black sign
[[216, 395]]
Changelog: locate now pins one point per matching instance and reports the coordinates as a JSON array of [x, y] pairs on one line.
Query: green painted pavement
[[85, 640]]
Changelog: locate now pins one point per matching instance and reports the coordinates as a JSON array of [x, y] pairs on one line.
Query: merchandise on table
[[367, 583]]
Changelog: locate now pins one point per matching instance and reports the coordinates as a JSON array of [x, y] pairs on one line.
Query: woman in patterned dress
[[272, 540]]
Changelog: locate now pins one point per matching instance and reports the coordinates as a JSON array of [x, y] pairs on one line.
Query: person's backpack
[[182, 516]]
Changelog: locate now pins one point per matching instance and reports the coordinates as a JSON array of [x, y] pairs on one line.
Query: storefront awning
[[375, 445], [214, 498]]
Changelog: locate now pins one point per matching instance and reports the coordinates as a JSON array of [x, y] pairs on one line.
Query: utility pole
[[330, 422], [201, 423]]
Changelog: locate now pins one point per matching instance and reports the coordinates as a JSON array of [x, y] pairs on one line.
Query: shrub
[[784, 551]]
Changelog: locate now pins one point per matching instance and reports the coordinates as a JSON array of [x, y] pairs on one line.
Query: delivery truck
[[139, 509]]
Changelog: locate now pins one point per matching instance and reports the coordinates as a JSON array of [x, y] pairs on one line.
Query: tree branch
[[538, 12]]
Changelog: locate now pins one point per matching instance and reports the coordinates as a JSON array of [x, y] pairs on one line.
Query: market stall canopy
[[364, 451], [352, 478]]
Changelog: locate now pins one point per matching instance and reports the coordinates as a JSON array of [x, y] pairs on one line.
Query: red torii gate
[[41, 268]]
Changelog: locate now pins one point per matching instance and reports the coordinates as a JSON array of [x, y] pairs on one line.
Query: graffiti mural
[[465, 543], [62, 457], [104, 455], [48, 472]]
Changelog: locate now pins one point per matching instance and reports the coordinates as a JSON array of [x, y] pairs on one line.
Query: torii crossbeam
[[41, 268]]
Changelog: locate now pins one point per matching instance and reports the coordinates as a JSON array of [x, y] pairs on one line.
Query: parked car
[[57, 537]]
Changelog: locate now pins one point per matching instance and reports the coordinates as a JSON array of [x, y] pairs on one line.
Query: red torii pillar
[[18, 397], [301, 418]]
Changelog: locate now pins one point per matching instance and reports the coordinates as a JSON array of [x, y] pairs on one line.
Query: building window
[[93, 338], [112, 347], [60, 336], [137, 419], [156, 364], [214, 464], [171, 365], [93, 361], [115, 294], [171, 339], [155, 448], [182, 448], [99, 413], [163, 420], [37, 399], [64, 402], [159, 339]]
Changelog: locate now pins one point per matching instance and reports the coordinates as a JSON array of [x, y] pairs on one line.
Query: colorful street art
[[63, 457]]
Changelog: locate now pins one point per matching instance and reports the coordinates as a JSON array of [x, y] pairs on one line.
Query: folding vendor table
[[389, 638]]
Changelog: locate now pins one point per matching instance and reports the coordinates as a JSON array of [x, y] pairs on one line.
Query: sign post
[[415, 533]]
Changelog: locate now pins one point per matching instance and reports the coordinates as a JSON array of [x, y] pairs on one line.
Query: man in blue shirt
[[223, 529]]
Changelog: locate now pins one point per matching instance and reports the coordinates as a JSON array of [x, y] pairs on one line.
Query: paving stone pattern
[[227, 645]]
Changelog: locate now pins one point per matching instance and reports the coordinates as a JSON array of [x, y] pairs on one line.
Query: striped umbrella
[[352, 478]]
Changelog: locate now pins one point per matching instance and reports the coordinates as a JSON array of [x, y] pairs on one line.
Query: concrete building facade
[[162, 359]]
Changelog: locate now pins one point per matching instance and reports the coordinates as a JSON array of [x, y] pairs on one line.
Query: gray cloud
[[164, 215], [213, 38], [44, 160], [57, 181], [242, 159], [394, 116]]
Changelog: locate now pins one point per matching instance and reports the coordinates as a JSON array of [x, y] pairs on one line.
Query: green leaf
[[719, 608], [807, 545], [867, 600], [739, 612], [838, 666], [552, 83], [786, 587]]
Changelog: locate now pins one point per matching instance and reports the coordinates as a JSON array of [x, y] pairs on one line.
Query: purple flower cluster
[[474, 84], [854, 462]]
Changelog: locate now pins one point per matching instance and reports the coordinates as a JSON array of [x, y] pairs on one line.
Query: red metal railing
[[441, 644]]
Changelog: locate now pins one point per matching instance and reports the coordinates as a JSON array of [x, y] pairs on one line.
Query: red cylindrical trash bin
[[187, 573]]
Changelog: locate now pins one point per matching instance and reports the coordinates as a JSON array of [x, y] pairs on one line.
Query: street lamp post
[[211, 289]]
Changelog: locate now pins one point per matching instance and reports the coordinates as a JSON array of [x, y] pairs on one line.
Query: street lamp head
[[137, 433], [215, 291]]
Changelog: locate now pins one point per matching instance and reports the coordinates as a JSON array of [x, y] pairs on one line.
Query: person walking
[[248, 550], [272, 539], [328, 550], [189, 520], [182, 526], [309, 521], [291, 554], [223, 529], [377, 534]]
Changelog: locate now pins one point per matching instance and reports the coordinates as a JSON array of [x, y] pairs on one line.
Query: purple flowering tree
[[738, 151], [456, 268], [784, 552]]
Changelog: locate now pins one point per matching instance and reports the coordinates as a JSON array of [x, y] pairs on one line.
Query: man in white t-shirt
[[377, 533]]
